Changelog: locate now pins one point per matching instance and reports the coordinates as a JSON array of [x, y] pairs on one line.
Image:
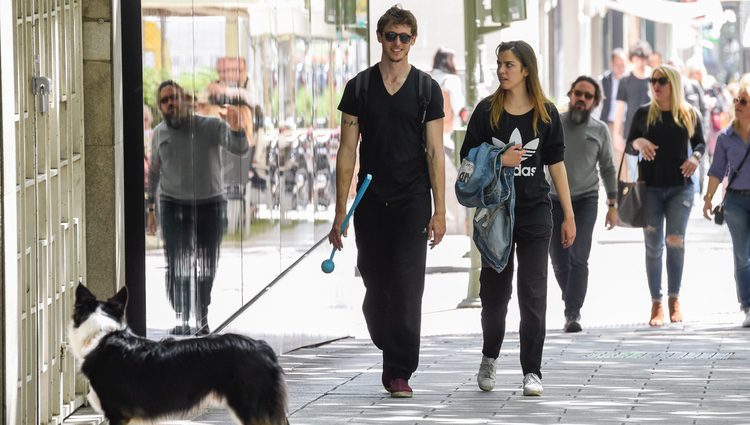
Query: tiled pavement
[[691, 374]]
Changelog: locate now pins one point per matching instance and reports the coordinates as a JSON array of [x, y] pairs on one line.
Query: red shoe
[[400, 388], [386, 379]]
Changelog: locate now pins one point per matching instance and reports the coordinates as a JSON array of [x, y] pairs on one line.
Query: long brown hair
[[527, 57]]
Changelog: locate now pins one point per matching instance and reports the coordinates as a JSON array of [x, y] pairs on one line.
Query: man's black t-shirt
[[392, 149], [544, 148], [634, 92], [664, 170]]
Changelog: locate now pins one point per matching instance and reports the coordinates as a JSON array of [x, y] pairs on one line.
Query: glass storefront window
[[239, 151]]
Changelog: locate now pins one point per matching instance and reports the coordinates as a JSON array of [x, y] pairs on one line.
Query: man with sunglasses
[[402, 148], [587, 147], [186, 170]]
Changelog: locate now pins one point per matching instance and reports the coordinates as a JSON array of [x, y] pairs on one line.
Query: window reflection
[[282, 68]]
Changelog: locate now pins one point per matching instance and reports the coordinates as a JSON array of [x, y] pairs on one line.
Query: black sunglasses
[[742, 102], [587, 95], [662, 81], [403, 37], [169, 97]]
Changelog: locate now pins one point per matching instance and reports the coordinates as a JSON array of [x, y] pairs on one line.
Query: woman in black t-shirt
[[660, 132], [519, 113]]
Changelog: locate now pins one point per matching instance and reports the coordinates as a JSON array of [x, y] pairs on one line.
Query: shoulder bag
[[631, 200]]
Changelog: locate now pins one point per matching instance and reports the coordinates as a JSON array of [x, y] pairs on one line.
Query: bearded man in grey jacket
[[588, 148], [186, 171]]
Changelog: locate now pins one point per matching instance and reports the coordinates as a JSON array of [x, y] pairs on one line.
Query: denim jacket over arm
[[483, 183]]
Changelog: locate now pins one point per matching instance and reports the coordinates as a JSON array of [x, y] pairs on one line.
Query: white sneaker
[[486, 375], [532, 385], [746, 322]]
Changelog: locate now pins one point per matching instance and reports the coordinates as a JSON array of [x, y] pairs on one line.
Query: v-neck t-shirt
[[392, 147]]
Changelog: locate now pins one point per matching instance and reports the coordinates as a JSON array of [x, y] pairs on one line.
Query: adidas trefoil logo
[[530, 148]]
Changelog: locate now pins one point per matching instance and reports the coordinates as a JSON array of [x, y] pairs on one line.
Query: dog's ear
[[83, 295], [120, 299]]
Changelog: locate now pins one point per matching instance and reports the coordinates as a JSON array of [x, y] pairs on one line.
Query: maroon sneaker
[[400, 388], [386, 379]]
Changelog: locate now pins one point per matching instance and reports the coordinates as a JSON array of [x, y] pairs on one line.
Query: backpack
[[424, 92], [448, 111]]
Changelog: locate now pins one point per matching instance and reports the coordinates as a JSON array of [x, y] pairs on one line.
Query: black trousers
[[531, 238], [192, 237], [571, 265], [392, 250]]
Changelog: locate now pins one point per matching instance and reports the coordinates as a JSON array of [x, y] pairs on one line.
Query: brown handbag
[[631, 201]]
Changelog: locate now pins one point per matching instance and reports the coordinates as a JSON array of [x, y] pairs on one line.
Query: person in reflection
[[662, 130], [186, 169], [587, 147], [402, 148]]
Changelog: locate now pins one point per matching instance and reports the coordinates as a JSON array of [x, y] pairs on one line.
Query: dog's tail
[[277, 390], [279, 410]]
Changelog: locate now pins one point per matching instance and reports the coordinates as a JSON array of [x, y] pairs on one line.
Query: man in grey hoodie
[[588, 147]]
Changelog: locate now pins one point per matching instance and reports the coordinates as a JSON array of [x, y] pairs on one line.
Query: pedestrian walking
[[587, 148], [610, 83], [632, 93], [402, 148], [519, 113], [660, 132], [730, 159]]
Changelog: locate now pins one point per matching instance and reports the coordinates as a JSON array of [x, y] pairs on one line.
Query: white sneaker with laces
[[486, 375], [746, 322], [532, 385]]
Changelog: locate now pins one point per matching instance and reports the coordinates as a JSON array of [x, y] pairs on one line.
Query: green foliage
[[326, 103], [195, 82], [151, 80], [304, 104]]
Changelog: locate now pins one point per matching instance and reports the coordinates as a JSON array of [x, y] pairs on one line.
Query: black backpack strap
[[424, 93], [424, 96]]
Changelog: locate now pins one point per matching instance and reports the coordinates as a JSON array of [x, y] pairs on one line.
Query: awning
[[670, 12]]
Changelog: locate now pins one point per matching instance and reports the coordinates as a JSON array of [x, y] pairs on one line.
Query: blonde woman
[[662, 131], [731, 150], [519, 112]]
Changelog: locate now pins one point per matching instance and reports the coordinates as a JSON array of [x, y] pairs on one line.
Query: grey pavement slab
[[617, 371], [691, 374]]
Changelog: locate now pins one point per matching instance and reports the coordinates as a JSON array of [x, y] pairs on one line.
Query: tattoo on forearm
[[350, 123]]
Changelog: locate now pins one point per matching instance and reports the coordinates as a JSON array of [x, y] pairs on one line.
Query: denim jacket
[[483, 183]]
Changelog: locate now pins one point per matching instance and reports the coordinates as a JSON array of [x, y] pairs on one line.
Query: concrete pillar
[[102, 93]]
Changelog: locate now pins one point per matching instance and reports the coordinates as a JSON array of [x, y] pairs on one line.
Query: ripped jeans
[[673, 205]]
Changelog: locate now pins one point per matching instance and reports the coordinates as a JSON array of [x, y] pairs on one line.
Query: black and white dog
[[134, 378]]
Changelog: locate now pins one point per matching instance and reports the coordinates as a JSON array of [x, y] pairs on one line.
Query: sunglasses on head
[[169, 97], [742, 102], [662, 81], [587, 95], [403, 37]]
